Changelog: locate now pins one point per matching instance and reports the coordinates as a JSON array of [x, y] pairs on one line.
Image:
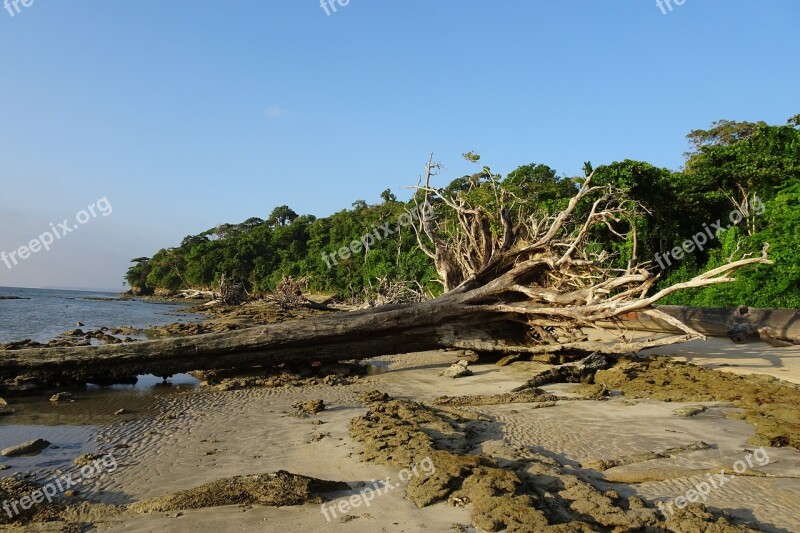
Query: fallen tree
[[515, 282]]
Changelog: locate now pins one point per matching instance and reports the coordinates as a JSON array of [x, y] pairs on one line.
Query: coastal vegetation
[[740, 186]]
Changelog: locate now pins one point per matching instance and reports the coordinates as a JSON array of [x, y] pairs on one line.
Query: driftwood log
[[515, 284], [778, 327]]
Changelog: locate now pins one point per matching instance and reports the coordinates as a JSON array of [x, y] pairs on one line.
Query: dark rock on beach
[[27, 448]]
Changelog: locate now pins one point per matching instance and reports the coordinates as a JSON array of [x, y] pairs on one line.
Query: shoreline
[[178, 440], [202, 435]]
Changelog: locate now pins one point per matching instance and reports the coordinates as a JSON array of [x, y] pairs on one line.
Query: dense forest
[[739, 188]]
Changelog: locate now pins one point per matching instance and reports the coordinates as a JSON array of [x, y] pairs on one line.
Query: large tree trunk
[[471, 317], [532, 289]]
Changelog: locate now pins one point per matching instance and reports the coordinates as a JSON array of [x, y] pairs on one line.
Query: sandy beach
[[201, 435]]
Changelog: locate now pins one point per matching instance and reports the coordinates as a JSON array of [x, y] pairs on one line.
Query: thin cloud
[[275, 111]]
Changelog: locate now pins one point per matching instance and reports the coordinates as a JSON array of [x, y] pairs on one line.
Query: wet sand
[[196, 437]]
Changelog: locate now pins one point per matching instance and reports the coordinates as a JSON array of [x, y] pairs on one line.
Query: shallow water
[[48, 313], [72, 427]]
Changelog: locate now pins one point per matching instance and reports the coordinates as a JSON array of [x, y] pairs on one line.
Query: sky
[[178, 116]]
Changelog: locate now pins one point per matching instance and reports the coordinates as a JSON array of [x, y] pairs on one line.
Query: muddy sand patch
[[517, 489], [772, 406]]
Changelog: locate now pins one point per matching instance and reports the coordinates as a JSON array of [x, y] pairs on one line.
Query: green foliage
[[730, 162], [723, 133], [776, 285]]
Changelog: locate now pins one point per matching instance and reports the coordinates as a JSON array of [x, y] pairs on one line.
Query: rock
[[310, 407], [374, 396], [688, 411], [61, 397], [75, 333], [120, 411], [87, 459], [507, 360], [4, 467], [79, 324], [27, 448], [71, 493], [457, 370], [18, 345], [316, 437], [471, 356], [277, 489], [3, 403]]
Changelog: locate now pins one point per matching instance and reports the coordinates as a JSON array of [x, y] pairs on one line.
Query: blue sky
[[186, 114]]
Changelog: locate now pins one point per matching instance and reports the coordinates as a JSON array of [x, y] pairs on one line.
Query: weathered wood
[[534, 289], [582, 371], [739, 323], [334, 337]]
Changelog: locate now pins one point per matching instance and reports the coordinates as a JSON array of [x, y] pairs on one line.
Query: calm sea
[[50, 312], [73, 426]]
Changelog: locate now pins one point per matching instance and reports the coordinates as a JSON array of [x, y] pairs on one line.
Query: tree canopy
[[740, 178]]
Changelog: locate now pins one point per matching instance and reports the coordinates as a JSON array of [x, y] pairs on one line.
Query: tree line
[[738, 189]]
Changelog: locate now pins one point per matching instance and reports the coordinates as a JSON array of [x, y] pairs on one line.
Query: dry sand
[[206, 435]]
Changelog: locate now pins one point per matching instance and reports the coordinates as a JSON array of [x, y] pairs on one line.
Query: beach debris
[[607, 464], [61, 397], [288, 293], [689, 410], [457, 370], [32, 447], [309, 407], [87, 459], [582, 371]]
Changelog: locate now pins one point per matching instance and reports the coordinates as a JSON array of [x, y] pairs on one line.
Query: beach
[[199, 435]]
